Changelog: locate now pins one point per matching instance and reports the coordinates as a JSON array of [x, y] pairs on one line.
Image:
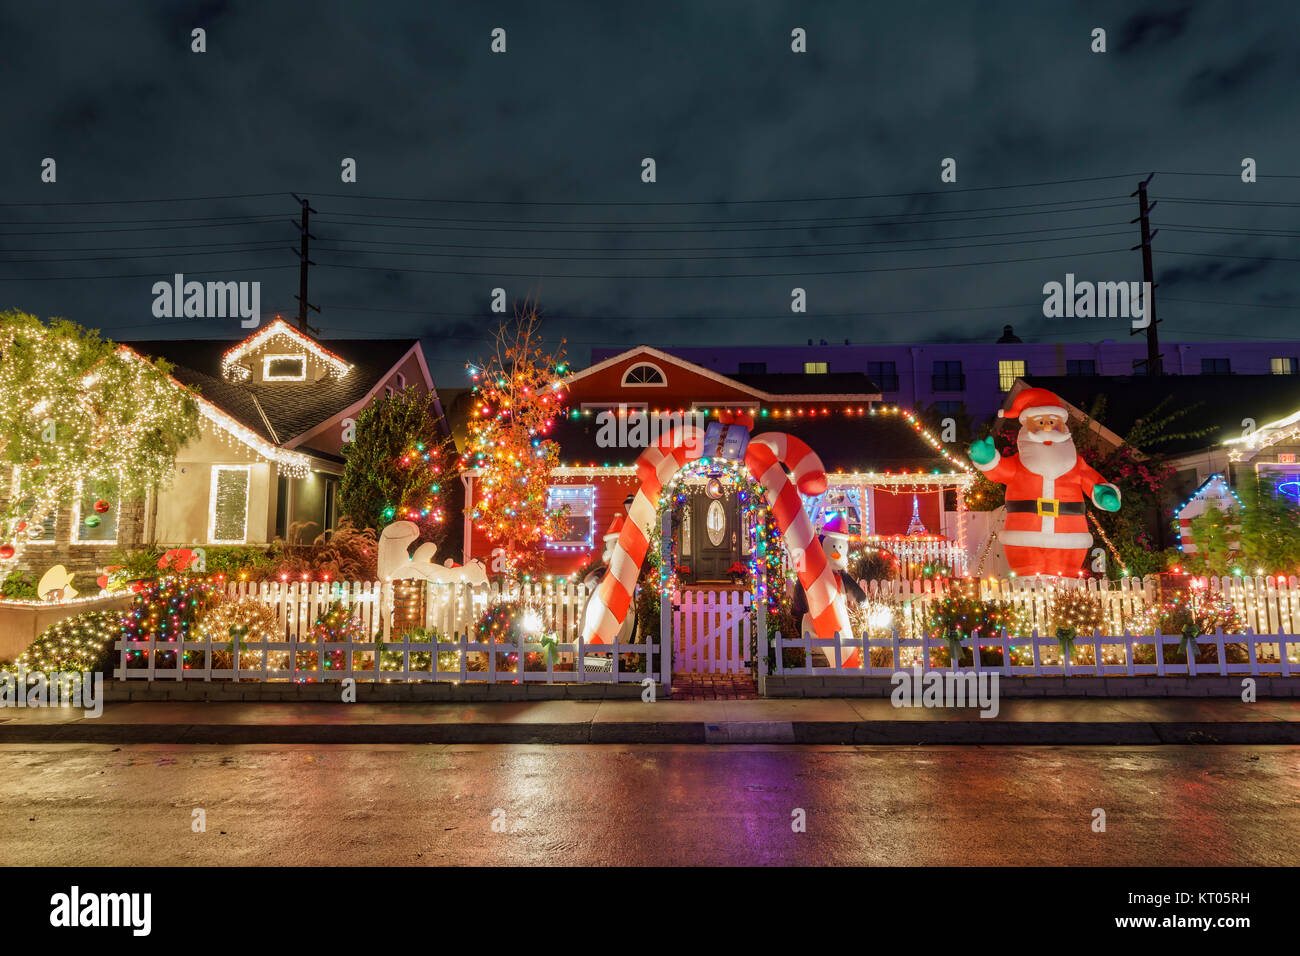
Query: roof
[[1218, 402], [866, 443], [857, 385], [287, 408]]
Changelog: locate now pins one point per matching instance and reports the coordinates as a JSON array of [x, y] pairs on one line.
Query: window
[[848, 501], [1008, 371], [645, 375], [401, 381], [753, 368], [284, 368], [884, 374], [1080, 366], [1140, 367], [228, 506], [388, 391], [94, 516], [1215, 366], [947, 377], [950, 409], [816, 368], [574, 529], [1283, 366]]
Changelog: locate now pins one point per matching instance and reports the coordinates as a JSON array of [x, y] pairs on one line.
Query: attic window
[[284, 368], [645, 375]]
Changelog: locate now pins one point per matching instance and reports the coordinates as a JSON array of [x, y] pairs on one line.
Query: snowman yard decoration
[[834, 542]]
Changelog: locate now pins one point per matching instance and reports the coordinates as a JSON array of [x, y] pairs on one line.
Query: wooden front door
[[715, 536]]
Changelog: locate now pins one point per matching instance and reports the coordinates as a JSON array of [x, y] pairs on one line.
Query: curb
[[897, 733]]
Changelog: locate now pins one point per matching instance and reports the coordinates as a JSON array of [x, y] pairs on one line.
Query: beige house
[[275, 410]]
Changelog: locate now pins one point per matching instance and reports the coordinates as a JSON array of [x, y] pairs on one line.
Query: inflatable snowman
[[834, 539]]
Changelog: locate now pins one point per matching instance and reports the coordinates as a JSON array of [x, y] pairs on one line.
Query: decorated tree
[[76, 412], [518, 394], [400, 466]]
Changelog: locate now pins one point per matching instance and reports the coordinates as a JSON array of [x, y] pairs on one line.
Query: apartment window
[[753, 368], [95, 525], [1080, 366], [947, 377], [950, 409], [1283, 366], [884, 374], [284, 368], [228, 507], [816, 368], [1008, 371], [575, 529], [1215, 366]]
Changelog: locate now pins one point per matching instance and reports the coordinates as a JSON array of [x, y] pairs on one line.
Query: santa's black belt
[[1046, 507]]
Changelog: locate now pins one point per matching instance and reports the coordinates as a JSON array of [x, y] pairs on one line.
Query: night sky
[[775, 169]]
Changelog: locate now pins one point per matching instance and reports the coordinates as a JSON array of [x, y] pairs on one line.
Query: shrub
[[80, 643]]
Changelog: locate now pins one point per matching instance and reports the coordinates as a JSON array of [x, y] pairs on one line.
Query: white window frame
[[53, 539], [591, 516], [663, 378], [401, 381], [268, 359], [74, 538], [212, 502]]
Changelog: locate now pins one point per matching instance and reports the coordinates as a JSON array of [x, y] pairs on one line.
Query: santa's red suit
[[1046, 529]]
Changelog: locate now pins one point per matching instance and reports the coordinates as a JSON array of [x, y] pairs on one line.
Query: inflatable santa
[[1046, 530]]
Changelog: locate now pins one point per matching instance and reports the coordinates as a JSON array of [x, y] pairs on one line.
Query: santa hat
[[836, 524], [1032, 402], [615, 527]]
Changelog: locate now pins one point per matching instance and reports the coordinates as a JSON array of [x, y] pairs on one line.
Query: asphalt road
[[74, 804]]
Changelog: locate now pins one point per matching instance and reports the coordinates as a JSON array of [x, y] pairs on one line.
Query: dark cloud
[[713, 93]]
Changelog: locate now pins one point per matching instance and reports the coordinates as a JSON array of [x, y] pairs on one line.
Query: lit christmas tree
[[518, 394]]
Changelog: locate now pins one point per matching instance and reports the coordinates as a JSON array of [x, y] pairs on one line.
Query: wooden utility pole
[[303, 263], [1148, 276]]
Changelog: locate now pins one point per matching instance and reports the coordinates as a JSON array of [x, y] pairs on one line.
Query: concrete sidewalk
[[792, 721]]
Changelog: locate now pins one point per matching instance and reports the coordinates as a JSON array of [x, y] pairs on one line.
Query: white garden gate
[[711, 632]]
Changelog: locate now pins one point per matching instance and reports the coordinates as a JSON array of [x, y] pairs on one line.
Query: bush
[[80, 643], [19, 586]]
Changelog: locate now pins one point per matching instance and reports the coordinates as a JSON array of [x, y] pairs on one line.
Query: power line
[[127, 202]]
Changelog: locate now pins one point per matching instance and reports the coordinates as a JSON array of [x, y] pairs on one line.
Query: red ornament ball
[[101, 506], [6, 552]]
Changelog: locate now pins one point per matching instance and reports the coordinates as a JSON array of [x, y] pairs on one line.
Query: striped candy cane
[[609, 605], [820, 581], [806, 468]]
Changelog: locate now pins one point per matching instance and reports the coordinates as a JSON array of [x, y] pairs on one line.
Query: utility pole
[[303, 263], [1148, 276]]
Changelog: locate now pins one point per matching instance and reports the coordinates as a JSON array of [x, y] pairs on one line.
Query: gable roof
[[845, 386], [280, 411]]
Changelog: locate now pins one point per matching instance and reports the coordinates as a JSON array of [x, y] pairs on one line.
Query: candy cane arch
[[764, 458]]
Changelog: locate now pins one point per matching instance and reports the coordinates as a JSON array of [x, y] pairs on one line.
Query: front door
[[715, 526]]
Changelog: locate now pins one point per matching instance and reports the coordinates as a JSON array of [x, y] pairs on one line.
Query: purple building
[[979, 375]]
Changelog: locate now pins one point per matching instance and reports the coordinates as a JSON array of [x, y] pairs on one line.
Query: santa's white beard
[[1049, 461]]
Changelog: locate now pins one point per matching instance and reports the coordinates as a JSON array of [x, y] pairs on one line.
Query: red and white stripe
[[820, 582], [805, 467], [658, 463]]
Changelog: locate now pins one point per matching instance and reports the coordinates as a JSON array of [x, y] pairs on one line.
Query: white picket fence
[[1267, 605], [711, 632], [451, 612], [1267, 654]]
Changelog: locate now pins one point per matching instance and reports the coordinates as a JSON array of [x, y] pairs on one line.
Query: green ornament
[[92, 521]]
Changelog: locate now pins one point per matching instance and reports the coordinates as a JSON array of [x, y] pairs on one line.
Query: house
[[275, 410], [897, 483]]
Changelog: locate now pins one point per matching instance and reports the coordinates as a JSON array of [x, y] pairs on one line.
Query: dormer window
[[644, 375], [284, 368]]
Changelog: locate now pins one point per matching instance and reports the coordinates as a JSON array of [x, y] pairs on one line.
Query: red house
[[899, 486]]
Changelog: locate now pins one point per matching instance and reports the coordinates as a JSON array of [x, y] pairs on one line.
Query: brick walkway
[[714, 687]]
